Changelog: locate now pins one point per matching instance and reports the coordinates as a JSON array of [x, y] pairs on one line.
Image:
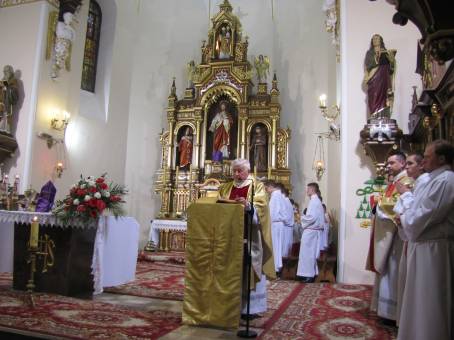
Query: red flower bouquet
[[89, 198]]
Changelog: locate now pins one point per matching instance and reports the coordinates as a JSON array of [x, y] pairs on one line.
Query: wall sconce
[[60, 123], [59, 169], [330, 114], [318, 163], [50, 140]]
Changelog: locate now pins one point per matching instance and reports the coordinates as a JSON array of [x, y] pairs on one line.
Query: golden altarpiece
[[219, 119]]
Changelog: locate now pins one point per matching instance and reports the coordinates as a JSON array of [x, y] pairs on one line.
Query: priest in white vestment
[[428, 301], [312, 222], [415, 170], [386, 245]]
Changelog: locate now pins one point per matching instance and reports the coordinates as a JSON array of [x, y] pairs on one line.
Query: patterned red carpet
[[70, 318], [326, 311], [295, 310], [279, 292], [162, 280]]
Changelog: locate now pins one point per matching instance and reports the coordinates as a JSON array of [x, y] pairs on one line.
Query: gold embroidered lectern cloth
[[214, 260]]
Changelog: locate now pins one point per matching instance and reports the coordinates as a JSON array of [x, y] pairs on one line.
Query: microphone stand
[[248, 333]]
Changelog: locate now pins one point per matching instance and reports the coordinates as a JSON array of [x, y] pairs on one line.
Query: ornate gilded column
[[198, 143], [273, 142], [171, 112], [243, 135]]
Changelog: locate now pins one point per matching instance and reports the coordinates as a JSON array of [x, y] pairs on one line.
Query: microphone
[[248, 333]]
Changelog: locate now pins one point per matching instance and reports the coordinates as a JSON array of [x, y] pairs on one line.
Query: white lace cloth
[[44, 218], [158, 225]]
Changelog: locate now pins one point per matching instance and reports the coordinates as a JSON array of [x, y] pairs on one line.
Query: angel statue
[[64, 37], [262, 65], [191, 70]]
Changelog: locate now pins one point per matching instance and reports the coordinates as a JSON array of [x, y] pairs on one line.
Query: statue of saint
[[64, 37], [191, 73], [220, 126], [262, 66], [379, 70], [9, 96], [185, 148], [258, 148], [223, 43]]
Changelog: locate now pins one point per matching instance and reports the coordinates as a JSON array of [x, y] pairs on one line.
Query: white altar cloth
[[115, 252], [157, 225]]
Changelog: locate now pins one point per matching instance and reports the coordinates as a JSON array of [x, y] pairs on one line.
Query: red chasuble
[[239, 192]]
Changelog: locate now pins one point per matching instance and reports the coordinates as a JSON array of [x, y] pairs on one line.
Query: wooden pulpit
[[214, 262]]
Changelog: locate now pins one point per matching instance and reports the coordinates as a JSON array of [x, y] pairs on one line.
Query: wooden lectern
[[214, 264]]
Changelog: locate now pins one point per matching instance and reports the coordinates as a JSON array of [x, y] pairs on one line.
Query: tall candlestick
[[255, 170], [16, 184], [34, 233], [190, 173], [269, 173], [5, 183]]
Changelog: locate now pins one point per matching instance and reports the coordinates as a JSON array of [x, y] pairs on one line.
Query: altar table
[[115, 248], [174, 227]]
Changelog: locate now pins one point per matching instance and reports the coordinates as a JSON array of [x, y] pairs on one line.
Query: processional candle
[[34, 233]]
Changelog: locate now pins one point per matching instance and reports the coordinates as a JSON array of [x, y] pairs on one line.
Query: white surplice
[[312, 223], [324, 239], [404, 203], [428, 300], [385, 291], [287, 230], [277, 214]]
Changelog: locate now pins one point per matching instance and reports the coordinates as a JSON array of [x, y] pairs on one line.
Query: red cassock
[[185, 147]]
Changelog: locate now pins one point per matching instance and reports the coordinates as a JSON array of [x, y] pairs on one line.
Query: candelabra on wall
[[330, 114]]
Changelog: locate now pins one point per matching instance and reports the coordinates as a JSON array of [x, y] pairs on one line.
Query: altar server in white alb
[[324, 239], [428, 302], [277, 214], [287, 230], [415, 170], [313, 222]]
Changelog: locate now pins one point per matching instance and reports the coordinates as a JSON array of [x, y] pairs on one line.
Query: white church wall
[[22, 42], [94, 145], [170, 35], [91, 146], [356, 32]]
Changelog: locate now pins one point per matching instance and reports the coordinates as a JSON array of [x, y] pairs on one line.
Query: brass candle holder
[[38, 247]]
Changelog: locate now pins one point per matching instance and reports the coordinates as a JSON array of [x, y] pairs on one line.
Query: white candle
[[34, 233], [322, 99]]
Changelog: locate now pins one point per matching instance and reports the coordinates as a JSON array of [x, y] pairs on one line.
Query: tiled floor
[[181, 333]]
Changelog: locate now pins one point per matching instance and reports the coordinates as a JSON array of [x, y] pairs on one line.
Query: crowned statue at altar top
[[221, 116]]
